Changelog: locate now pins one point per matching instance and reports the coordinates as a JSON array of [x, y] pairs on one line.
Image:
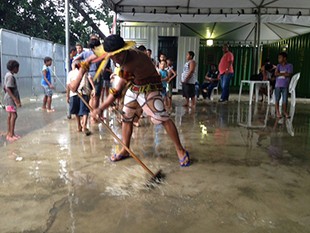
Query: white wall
[[148, 33]]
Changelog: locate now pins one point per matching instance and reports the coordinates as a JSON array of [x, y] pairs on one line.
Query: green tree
[[46, 19]]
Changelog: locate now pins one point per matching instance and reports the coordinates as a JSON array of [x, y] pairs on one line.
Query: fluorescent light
[[209, 42]]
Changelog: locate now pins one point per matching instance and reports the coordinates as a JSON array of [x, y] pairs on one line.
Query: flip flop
[[119, 157], [50, 110], [181, 161], [87, 132]]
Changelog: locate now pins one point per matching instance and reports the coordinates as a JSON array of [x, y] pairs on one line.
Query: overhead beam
[[193, 30], [271, 29], [235, 29], [291, 31]]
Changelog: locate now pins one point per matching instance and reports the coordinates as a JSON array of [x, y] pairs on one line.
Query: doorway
[[168, 45]]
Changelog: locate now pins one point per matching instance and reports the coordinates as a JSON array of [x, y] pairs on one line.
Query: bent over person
[[144, 91]]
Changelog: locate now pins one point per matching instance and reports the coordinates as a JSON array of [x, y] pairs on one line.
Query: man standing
[[226, 72], [143, 91]]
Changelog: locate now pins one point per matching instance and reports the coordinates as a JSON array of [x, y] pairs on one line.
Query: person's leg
[[156, 111], [193, 102], [278, 96], [192, 94], [49, 103], [130, 109], [84, 121], [12, 124], [222, 82], [210, 87], [186, 102], [226, 83], [174, 135], [9, 133], [44, 102], [284, 102], [126, 137], [78, 121]]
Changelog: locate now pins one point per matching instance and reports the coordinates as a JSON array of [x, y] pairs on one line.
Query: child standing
[[47, 85], [77, 106], [164, 78], [283, 74], [11, 98]]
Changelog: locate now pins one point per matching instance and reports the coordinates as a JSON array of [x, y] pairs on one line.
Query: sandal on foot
[[118, 157], [181, 161]]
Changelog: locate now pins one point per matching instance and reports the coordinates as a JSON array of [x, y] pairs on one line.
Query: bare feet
[[11, 139], [51, 110]]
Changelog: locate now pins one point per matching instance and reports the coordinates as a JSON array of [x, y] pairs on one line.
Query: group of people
[[143, 84], [12, 99], [279, 77], [191, 89]]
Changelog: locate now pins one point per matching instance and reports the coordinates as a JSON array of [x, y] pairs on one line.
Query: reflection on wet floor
[[250, 173]]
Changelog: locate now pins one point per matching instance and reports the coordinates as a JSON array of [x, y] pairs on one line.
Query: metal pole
[[254, 50], [67, 36], [258, 61]]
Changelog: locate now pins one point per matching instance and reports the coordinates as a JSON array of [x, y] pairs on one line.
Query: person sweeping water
[[144, 91]]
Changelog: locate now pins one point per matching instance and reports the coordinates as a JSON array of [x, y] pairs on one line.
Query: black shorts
[[98, 86], [188, 90], [77, 107]]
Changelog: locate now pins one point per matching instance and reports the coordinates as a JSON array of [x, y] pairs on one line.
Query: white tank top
[[186, 69]]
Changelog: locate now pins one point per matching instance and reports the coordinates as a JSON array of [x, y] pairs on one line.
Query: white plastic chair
[[292, 89], [215, 89]]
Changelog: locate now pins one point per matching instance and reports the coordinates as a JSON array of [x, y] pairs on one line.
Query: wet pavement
[[250, 173]]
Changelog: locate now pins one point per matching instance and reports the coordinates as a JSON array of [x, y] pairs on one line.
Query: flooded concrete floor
[[247, 175]]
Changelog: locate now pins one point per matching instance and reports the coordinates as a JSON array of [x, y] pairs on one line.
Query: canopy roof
[[222, 19]]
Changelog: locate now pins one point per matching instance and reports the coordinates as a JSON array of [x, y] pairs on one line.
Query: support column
[[67, 46]]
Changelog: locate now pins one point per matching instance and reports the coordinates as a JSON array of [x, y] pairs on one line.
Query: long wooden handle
[[118, 139]]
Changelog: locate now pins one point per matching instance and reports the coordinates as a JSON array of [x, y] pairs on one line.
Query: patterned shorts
[[47, 91], [10, 108], [151, 103]]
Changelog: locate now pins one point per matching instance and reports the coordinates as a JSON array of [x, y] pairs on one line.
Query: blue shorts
[[164, 92], [281, 91], [77, 107], [47, 91]]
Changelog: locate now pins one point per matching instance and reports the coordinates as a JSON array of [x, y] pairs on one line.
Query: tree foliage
[[46, 19]]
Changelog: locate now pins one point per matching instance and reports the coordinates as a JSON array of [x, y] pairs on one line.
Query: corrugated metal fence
[[30, 52], [298, 49]]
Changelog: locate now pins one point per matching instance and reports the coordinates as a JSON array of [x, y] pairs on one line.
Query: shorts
[[281, 91], [106, 84], [151, 103], [188, 90], [47, 91], [98, 86], [164, 92], [10, 108], [77, 106]]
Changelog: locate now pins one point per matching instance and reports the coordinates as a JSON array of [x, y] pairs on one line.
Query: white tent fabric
[[279, 18]]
